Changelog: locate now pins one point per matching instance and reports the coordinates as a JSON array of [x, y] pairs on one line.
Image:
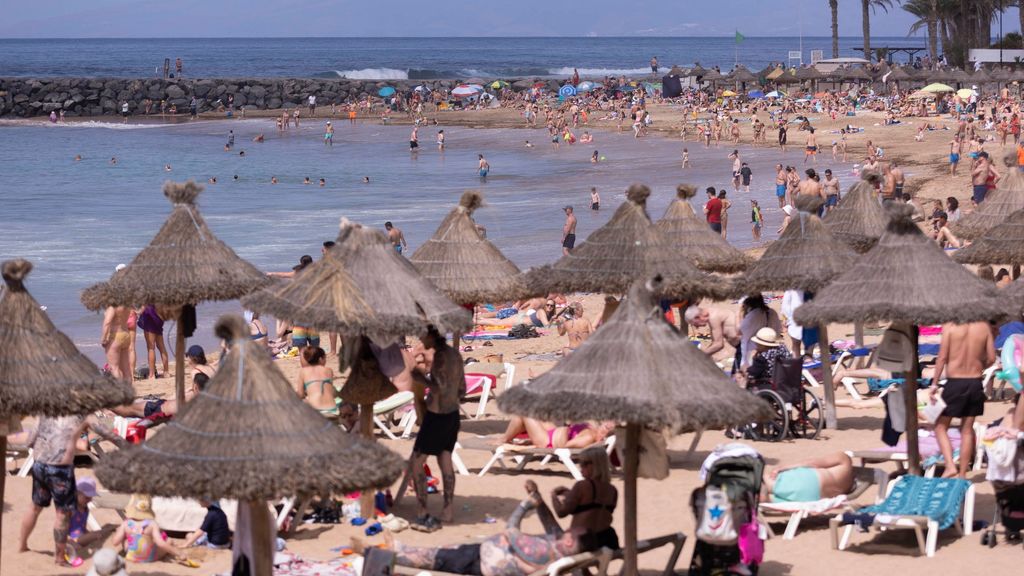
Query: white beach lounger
[[864, 478], [523, 455]]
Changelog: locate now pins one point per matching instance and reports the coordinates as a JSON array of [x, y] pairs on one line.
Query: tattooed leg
[[444, 461], [61, 524], [414, 556], [419, 481]]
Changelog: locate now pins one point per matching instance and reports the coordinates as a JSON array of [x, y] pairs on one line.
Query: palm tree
[[867, 7], [927, 12], [834, 5]]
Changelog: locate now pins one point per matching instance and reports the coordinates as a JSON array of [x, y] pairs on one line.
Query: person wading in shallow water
[[568, 231]]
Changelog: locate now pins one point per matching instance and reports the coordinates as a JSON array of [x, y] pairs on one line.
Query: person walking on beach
[[726, 204], [193, 108], [782, 135], [483, 166], [955, 149], [756, 220], [831, 188], [654, 65], [116, 341], [781, 179], [53, 445], [414, 139], [595, 199], [736, 166], [964, 352], [568, 231], [746, 174], [312, 105], [440, 428], [329, 135], [811, 150], [396, 237], [713, 210], [980, 176], [124, 111], [440, 140]]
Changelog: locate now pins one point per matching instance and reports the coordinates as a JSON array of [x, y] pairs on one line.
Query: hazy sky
[[260, 18]]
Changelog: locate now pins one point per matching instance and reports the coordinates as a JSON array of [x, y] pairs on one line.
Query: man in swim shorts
[[483, 166], [810, 480], [328, 132], [980, 176], [964, 352], [396, 237], [780, 184], [414, 139], [568, 231], [955, 147]]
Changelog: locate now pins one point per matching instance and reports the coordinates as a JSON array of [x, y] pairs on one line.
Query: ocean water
[[400, 58], [77, 220]]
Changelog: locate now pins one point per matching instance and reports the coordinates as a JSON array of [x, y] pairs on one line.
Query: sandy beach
[[663, 505]]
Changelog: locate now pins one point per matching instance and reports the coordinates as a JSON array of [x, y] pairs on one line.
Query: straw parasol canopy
[[640, 370], [741, 74], [772, 72], [1002, 244], [805, 73], [712, 75], [183, 264], [1013, 295], [855, 73], [980, 77], [898, 74], [905, 278], [1007, 198], [805, 257], [248, 436], [627, 247], [465, 265], [697, 71], [960, 77], [858, 219], [691, 237], [939, 75], [41, 371]]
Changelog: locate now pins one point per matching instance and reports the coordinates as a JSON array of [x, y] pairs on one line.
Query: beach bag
[[523, 331], [895, 351], [652, 461], [715, 522], [751, 543]]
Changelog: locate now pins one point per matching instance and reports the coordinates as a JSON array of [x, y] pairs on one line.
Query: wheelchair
[[797, 412]]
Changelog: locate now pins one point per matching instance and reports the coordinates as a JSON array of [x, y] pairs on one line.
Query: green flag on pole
[[739, 37]]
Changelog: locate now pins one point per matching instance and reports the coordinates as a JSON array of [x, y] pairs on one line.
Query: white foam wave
[[594, 72], [42, 122], [374, 74], [474, 73]]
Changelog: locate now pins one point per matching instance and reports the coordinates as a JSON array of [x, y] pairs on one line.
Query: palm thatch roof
[[905, 278], [940, 75], [712, 74], [361, 286], [1001, 244], [898, 74], [41, 371], [981, 77], [1013, 296], [960, 76], [805, 257], [855, 73], [771, 72], [465, 265], [248, 436], [637, 369], [741, 74], [697, 71], [1007, 198], [858, 219], [627, 247], [808, 73], [183, 264], [692, 238]]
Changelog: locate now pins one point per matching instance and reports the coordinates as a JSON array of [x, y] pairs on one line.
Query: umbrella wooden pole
[[3, 481], [631, 453], [831, 421], [366, 429], [910, 400], [261, 538], [858, 334], [179, 362]]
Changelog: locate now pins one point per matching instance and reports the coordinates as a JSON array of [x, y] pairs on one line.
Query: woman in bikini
[[257, 329], [196, 357], [547, 435], [152, 323], [591, 502], [116, 341], [315, 384]]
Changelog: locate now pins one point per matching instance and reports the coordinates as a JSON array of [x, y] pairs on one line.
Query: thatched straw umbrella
[[41, 371], [249, 437], [858, 219], [463, 264], [960, 77], [691, 237], [742, 76], [1001, 244], [906, 278], [640, 370], [183, 265], [624, 249], [981, 77], [697, 71], [805, 257], [1007, 198], [1014, 295]]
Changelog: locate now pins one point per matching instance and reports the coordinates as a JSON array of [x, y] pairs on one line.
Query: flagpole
[[736, 50]]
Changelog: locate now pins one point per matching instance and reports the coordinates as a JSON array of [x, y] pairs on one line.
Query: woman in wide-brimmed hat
[[769, 350]]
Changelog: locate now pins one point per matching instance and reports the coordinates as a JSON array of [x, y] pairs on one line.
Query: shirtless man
[[483, 166], [888, 184], [396, 237], [830, 187], [53, 475], [898, 179], [810, 186], [980, 176], [965, 351], [116, 340], [737, 164], [575, 326], [440, 428], [955, 149], [568, 231], [811, 151], [721, 323], [780, 184], [414, 139], [792, 181]]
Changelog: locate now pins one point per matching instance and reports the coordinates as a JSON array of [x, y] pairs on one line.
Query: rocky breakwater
[[27, 97]]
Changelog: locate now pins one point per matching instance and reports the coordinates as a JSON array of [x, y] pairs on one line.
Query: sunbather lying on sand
[[547, 435], [809, 480], [145, 408], [508, 553]]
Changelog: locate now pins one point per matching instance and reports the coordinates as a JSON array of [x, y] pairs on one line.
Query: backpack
[[523, 331]]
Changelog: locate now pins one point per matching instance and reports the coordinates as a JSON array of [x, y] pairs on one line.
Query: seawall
[[27, 97]]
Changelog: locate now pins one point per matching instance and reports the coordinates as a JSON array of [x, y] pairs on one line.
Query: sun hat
[[106, 562], [86, 487], [140, 507], [766, 337]]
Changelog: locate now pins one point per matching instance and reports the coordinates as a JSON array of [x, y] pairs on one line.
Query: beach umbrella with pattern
[[906, 279], [637, 370], [41, 370], [858, 219], [465, 91], [806, 257], [691, 237], [627, 247], [183, 265], [464, 265], [248, 437], [585, 86], [1007, 198], [385, 91]]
